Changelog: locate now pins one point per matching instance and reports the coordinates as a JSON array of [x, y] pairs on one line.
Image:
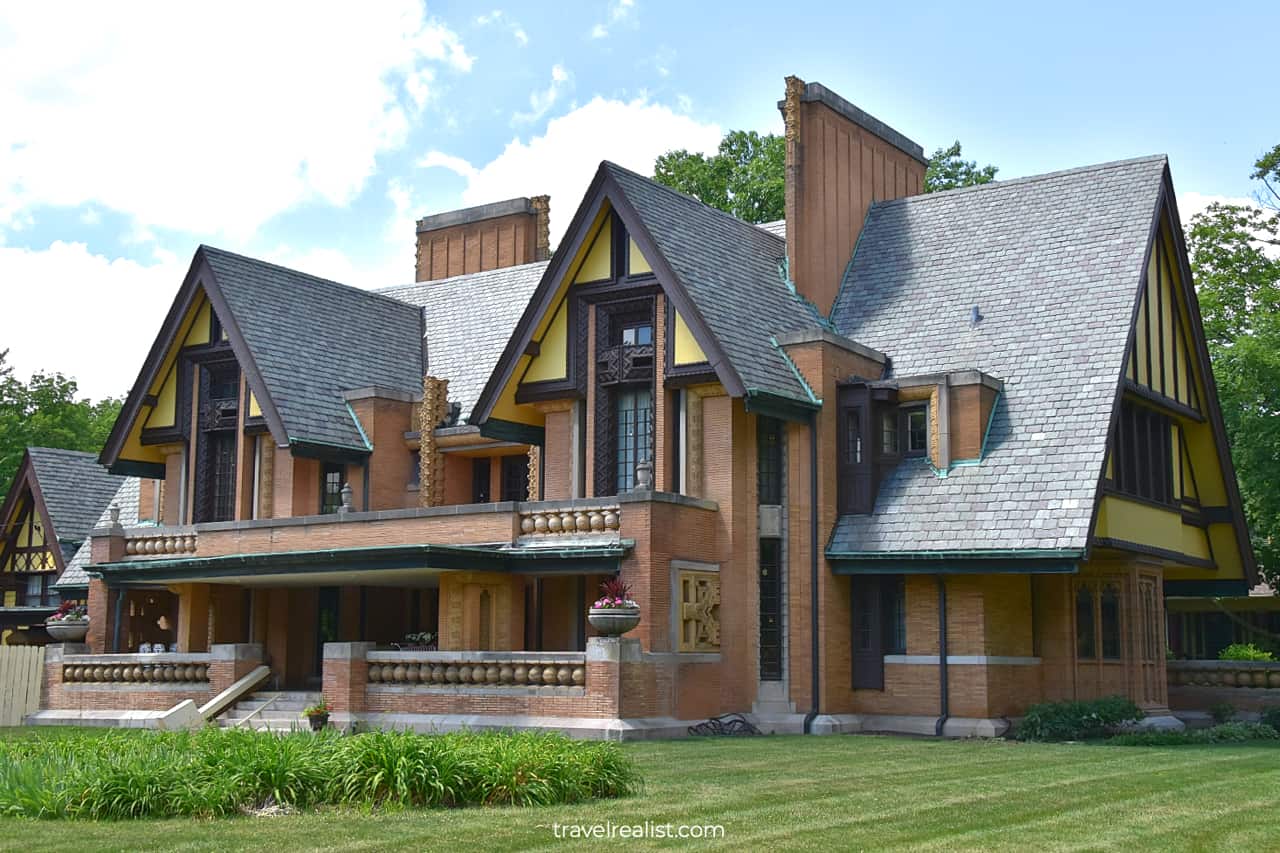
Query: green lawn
[[810, 793]]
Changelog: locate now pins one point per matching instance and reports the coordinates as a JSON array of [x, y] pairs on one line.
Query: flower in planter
[[69, 611], [615, 594], [320, 709]]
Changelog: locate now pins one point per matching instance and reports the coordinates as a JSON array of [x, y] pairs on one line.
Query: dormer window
[[916, 429], [889, 432]]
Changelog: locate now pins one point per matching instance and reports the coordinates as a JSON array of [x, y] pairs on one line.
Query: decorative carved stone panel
[[699, 594]]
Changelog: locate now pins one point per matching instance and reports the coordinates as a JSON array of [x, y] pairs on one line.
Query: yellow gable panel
[[687, 350], [255, 408], [598, 265], [165, 413], [552, 361], [636, 263]]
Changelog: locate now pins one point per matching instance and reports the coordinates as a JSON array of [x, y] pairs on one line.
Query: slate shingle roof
[[312, 339], [731, 271], [75, 490], [1053, 263], [468, 320], [126, 498]]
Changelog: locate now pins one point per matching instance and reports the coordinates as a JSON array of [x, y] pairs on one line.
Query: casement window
[[515, 478], [216, 441], [769, 460], [771, 624], [916, 430], [879, 626], [331, 475], [1143, 453], [1098, 621], [36, 589], [633, 439], [889, 432], [480, 471]]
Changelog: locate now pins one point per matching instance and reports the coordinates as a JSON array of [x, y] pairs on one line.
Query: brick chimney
[[488, 237], [838, 161]]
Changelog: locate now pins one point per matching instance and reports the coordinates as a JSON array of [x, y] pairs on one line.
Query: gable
[[1168, 488], [26, 543]]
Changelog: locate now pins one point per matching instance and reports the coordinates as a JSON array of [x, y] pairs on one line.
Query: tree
[[1267, 170], [948, 170], [745, 177], [45, 412], [1237, 275]]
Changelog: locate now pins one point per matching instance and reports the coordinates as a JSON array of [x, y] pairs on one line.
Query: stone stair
[[270, 710]]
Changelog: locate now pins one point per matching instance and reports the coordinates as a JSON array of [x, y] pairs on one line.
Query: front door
[[326, 624], [868, 636]]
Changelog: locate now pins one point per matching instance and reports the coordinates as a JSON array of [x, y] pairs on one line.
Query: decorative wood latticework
[[534, 490], [432, 412], [699, 611]]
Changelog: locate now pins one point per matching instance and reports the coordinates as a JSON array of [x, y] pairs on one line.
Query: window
[[1143, 451], [893, 591], [1086, 647], [633, 423], [35, 590], [636, 335], [331, 482], [770, 609], [852, 448], [769, 460], [480, 480], [515, 478], [1109, 611], [889, 432], [917, 430]]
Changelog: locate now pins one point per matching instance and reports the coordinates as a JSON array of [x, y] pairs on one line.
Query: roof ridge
[[88, 453], [455, 278], [370, 291], [693, 199], [1025, 179]]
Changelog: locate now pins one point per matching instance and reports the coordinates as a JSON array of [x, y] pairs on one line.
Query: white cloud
[[500, 18], [208, 123], [618, 12], [563, 159], [109, 311], [540, 102]]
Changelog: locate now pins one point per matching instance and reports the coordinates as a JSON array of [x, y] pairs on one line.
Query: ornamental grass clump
[[1237, 732], [216, 772]]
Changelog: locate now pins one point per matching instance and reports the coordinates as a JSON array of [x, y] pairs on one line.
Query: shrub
[[1054, 721], [1270, 717], [1225, 733], [218, 772], [1222, 712], [1244, 651]]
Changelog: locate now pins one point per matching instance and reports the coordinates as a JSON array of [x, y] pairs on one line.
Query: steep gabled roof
[[310, 339], [468, 320], [733, 273], [126, 499], [75, 489], [1053, 265]]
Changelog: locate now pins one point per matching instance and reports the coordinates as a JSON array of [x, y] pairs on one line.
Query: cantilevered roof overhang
[[1017, 562], [393, 564]]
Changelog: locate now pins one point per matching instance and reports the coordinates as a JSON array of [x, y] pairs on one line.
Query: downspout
[[944, 711], [815, 679], [115, 628]]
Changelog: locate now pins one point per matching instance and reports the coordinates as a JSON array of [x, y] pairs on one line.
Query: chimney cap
[[479, 213], [820, 93]]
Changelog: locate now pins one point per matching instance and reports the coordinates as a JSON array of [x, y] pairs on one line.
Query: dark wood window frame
[[1142, 454], [481, 480], [621, 369], [877, 626], [772, 644], [514, 478], [769, 468], [907, 412], [333, 476]]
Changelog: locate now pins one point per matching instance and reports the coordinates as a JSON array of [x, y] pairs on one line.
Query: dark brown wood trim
[[551, 389], [1159, 553], [1159, 401]]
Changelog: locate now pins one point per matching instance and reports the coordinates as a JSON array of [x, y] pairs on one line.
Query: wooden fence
[[21, 668]]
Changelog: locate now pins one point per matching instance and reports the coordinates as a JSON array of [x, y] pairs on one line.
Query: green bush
[[1054, 721], [1225, 733], [1271, 717], [217, 772], [1244, 651], [1222, 712]]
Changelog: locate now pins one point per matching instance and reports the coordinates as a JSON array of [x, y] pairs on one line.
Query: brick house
[[901, 462]]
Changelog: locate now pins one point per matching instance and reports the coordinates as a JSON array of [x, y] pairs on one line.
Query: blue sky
[[314, 135]]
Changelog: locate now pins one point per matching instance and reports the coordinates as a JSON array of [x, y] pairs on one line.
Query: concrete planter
[[318, 721], [69, 631], [613, 621]]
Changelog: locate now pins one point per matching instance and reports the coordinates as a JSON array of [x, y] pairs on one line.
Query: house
[[901, 462], [55, 499]]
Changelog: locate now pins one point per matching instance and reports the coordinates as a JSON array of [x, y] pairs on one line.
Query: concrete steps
[[270, 710]]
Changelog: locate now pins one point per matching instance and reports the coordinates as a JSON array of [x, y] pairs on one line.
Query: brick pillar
[[346, 675], [232, 662], [51, 684], [193, 618], [606, 659]]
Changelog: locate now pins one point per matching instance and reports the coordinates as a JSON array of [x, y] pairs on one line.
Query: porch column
[[193, 617], [346, 675], [481, 611]]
